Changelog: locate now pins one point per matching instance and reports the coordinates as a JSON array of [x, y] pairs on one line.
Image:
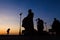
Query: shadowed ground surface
[[17, 37]]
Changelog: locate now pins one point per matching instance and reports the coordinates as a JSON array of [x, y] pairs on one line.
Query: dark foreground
[[17, 37]]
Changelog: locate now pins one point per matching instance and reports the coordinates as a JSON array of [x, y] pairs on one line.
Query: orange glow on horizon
[[13, 30], [9, 22]]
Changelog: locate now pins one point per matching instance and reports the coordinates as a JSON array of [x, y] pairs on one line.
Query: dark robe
[[27, 22]]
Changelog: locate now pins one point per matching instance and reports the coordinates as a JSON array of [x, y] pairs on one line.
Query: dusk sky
[[10, 10]]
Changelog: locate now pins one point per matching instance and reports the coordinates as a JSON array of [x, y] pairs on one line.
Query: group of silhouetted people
[[28, 24]]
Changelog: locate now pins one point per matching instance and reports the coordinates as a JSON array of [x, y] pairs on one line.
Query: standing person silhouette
[[56, 26], [8, 30], [27, 22], [40, 26]]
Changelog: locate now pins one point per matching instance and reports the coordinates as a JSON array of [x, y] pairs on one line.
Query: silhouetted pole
[[20, 24], [46, 26]]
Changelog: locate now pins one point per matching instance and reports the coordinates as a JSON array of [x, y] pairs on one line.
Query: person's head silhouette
[[38, 18], [54, 18], [30, 10]]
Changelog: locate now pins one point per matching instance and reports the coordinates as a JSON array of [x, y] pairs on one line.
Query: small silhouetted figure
[[8, 31], [40, 25], [27, 22], [56, 25]]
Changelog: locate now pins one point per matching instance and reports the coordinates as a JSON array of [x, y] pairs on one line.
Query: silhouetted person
[[56, 26], [8, 31], [40, 25], [27, 22]]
